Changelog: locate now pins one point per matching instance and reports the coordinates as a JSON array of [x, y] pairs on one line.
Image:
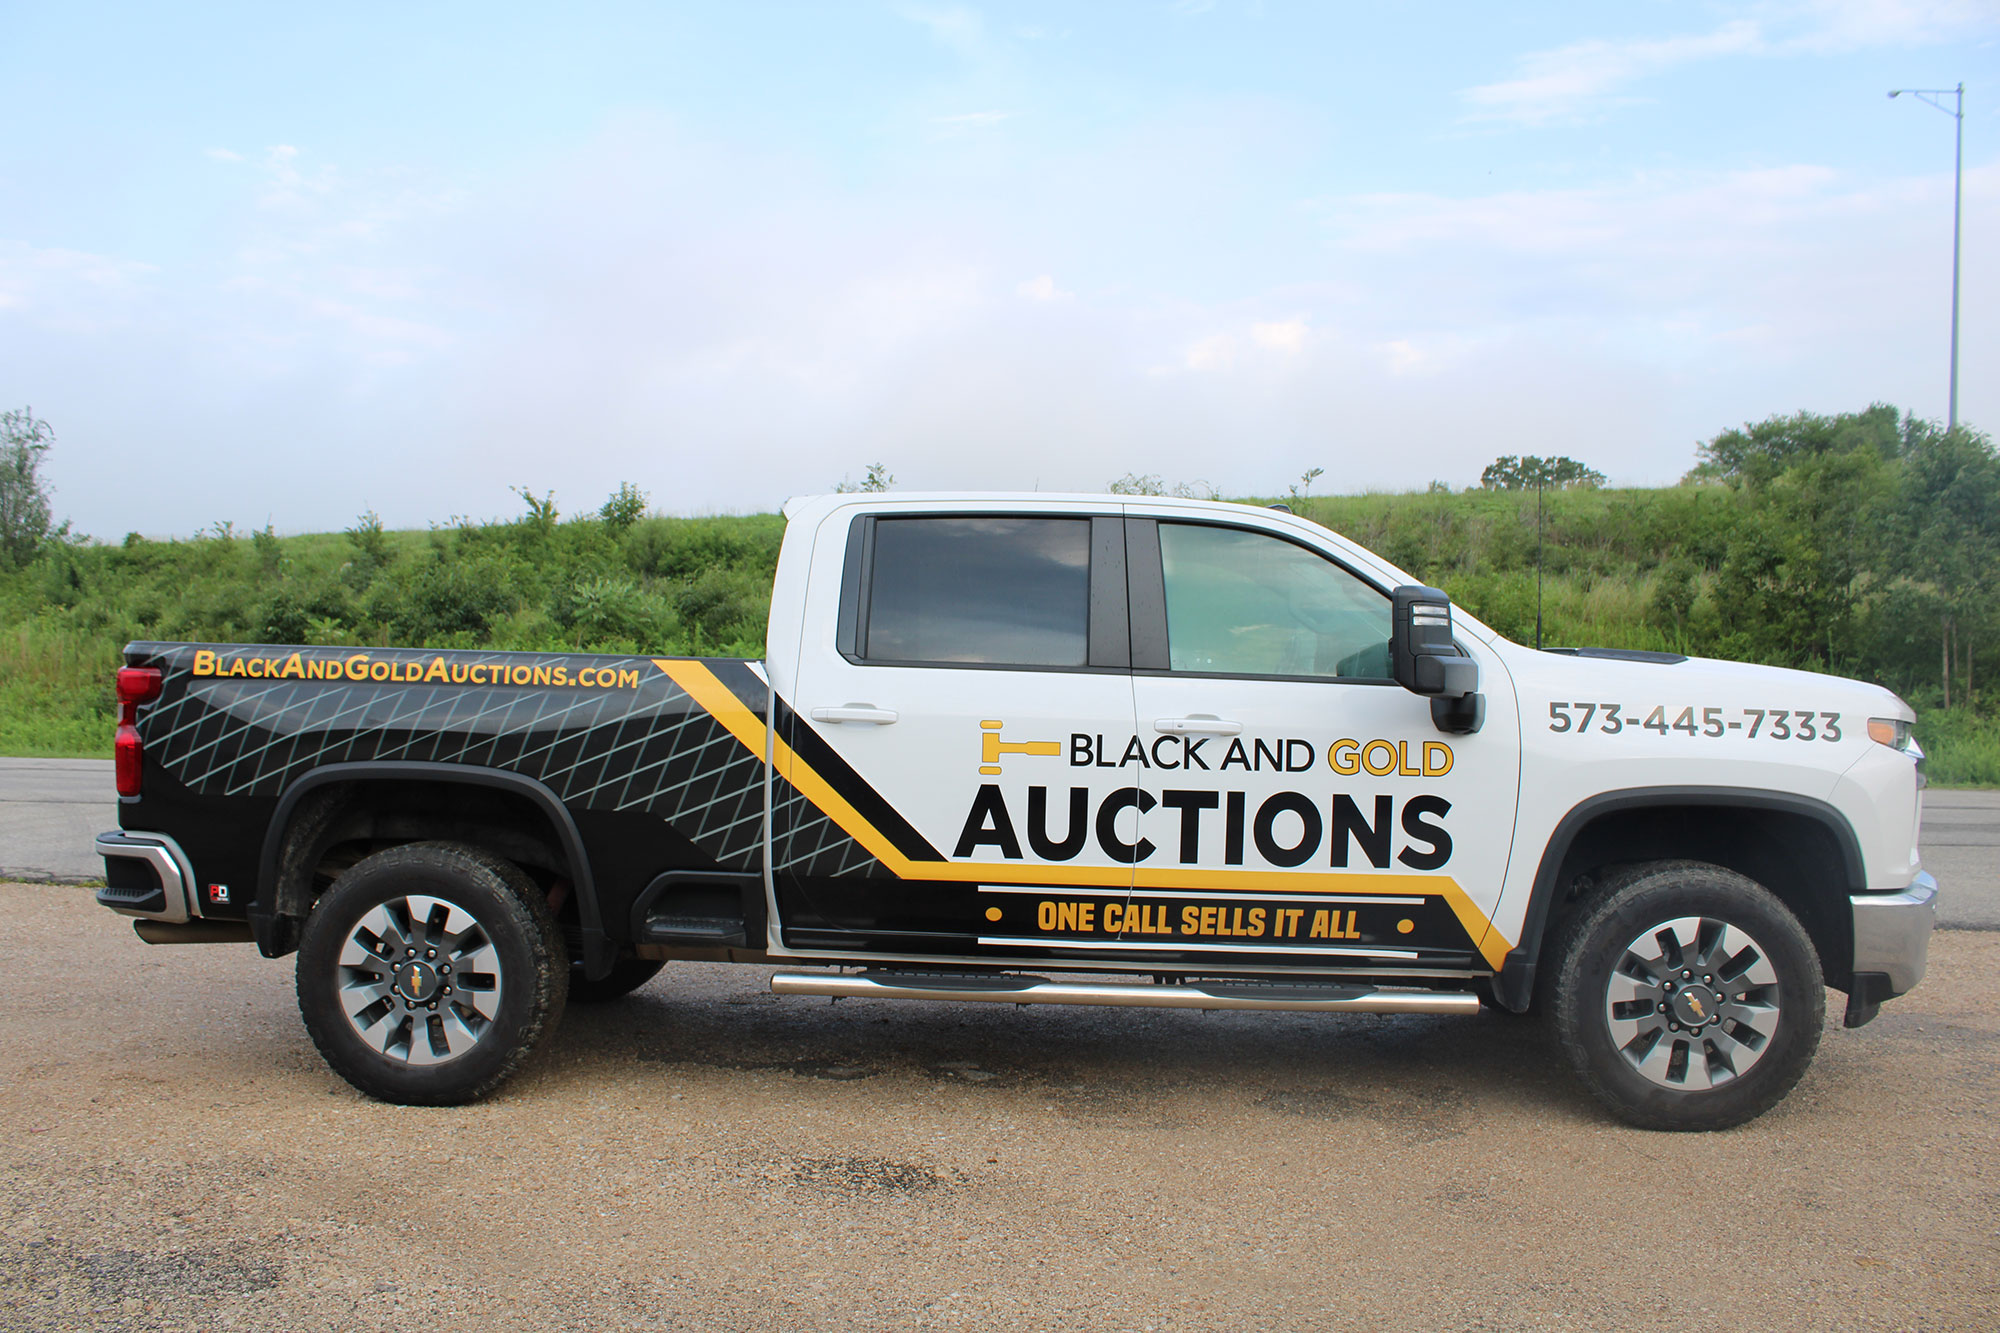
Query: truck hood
[[1596, 670]]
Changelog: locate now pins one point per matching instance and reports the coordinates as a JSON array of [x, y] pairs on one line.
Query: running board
[[996, 989]]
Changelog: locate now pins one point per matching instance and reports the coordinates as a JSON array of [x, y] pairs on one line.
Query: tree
[[1151, 483], [1760, 451], [24, 496], [1949, 531], [1801, 556], [1525, 472], [1815, 528], [1132, 483], [876, 481]]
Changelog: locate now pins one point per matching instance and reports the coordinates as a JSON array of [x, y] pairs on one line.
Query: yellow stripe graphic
[[721, 703]]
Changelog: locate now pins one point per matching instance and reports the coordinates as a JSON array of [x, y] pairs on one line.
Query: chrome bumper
[[147, 875], [1892, 932]]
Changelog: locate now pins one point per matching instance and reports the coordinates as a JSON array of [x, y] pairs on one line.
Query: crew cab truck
[[1031, 749]]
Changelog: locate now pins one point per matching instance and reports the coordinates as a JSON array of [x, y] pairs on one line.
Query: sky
[[281, 265]]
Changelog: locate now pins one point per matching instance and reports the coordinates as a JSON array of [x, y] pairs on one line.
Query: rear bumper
[[146, 875], [1892, 933]]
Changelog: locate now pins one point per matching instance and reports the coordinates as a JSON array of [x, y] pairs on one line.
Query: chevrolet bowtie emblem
[[1695, 1005], [992, 747]]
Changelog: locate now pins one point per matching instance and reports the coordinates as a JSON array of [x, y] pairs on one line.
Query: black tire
[[626, 976], [376, 984], [1687, 996]]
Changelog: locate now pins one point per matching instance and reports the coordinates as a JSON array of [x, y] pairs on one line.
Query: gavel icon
[[993, 747]]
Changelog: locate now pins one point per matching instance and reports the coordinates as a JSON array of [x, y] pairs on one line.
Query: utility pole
[[1930, 96], [1541, 491]]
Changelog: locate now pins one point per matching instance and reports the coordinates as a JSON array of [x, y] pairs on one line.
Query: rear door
[[935, 798]]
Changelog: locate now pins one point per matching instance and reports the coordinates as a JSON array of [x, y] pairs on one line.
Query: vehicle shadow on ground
[[1429, 1076]]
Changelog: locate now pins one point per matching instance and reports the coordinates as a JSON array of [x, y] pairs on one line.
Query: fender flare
[[597, 954], [1515, 986]]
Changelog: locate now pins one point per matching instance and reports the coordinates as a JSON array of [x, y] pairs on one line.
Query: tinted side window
[[1250, 604], [998, 591]]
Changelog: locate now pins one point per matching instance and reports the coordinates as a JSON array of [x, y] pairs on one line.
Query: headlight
[[1893, 732]]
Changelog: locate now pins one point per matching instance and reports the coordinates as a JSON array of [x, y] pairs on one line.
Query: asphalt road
[[51, 809], [1961, 846], [708, 1156]]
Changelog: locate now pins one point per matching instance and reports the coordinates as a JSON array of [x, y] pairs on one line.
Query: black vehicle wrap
[[640, 745], [660, 763], [242, 722]]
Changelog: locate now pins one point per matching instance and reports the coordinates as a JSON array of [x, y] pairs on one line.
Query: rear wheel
[[428, 973], [1688, 997]]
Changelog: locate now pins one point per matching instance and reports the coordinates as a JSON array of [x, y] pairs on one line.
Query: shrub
[[626, 506], [597, 610], [444, 602], [723, 605]]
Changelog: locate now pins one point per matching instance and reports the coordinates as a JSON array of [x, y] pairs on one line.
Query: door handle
[[1200, 724], [881, 717]]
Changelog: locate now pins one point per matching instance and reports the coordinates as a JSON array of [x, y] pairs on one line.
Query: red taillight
[[130, 758], [136, 685]]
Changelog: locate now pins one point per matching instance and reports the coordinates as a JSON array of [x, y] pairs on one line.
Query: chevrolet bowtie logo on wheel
[[991, 747]]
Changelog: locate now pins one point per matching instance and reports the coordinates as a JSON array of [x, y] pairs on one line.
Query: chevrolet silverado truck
[[1027, 749]]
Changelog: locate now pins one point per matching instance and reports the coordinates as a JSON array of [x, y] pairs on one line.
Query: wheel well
[[336, 825], [1793, 853]]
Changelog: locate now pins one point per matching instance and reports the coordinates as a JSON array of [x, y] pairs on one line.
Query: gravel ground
[[708, 1156]]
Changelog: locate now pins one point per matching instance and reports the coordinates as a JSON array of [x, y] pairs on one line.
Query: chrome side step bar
[[1016, 989]]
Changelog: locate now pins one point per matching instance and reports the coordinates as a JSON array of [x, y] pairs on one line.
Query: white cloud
[[726, 328], [1684, 219], [289, 183], [1285, 335], [223, 154], [972, 120], [1042, 288], [954, 27], [1574, 80], [1404, 357], [1846, 25], [1263, 342], [1579, 81], [69, 289], [1215, 352], [384, 339]]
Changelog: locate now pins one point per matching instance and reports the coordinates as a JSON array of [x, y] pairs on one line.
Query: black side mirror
[[1425, 661], [1421, 653]]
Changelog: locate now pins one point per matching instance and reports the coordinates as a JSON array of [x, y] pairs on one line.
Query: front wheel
[[428, 972], [1688, 997]]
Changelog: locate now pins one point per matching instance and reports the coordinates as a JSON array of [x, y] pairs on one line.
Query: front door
[[1300, 807]]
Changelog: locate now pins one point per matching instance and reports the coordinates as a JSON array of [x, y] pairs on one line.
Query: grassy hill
[[1622, 568]]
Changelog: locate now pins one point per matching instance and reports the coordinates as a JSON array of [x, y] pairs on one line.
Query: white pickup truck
[[1045, 749]]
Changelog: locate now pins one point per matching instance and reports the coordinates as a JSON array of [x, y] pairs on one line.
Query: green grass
[[1960, 749], [55, 693]]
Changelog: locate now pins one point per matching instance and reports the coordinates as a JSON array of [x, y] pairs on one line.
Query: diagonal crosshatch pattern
[[650, 749]]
